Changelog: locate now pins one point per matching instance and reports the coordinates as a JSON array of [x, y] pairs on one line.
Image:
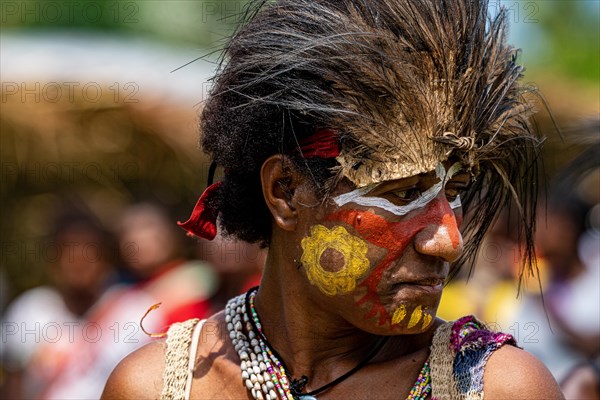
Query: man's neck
[[311, 340]]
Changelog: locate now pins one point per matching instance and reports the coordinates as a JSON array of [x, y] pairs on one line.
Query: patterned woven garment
[[459, 353]]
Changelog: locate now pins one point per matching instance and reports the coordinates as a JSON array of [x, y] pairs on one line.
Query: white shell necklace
[[263, 373], [262, 378]]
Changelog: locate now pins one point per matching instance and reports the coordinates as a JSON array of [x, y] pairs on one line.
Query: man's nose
[[440, 237]]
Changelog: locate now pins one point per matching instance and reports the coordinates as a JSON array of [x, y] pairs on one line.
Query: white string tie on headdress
[[464, 143]]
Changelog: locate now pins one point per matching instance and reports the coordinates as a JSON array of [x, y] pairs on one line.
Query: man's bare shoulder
[[514, 373], [139, 375]]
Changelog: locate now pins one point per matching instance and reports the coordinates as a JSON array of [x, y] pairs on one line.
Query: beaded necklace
[[264, 374]]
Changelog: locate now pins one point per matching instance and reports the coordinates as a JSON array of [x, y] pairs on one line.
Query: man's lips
[[430, 285]]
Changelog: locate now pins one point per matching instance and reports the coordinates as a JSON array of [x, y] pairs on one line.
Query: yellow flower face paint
[[354, 253]]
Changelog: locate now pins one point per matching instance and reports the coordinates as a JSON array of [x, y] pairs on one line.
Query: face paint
[[451, 229], [427, 318], [399, 314], [359, 196], [454, 204], [448, 227], [394, 237], [415, 317], [353, 250]]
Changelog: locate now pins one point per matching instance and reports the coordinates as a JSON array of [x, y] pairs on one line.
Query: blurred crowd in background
[[99, 159]]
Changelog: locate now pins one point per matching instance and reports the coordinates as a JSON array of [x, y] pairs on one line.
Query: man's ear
[[279, 182]]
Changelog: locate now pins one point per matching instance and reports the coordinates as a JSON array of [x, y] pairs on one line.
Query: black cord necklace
[[298, 385]]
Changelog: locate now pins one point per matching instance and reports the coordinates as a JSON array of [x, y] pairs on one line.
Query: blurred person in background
[[583, 381], [151, 247], [238, 266], [62, 340], [564, 325]]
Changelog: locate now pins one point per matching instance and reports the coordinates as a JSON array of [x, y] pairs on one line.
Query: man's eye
[[407, 195], [453, 192]]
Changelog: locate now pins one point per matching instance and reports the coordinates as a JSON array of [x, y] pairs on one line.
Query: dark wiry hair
[[423, 78]]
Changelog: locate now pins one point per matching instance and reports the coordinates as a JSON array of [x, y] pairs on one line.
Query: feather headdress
[[406, 83]]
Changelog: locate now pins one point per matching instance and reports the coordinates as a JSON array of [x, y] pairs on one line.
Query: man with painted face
[[353, 135]]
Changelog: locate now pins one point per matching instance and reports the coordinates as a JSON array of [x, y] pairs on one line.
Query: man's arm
[[139, 375], [512, 373]]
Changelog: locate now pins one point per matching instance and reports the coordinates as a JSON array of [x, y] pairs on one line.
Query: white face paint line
[[439, 237], [456, 167], [354, 196], [358, 197], [455, 203], [387, 205]]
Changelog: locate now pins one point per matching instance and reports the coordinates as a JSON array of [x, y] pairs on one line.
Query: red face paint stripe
[[450, 222]]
